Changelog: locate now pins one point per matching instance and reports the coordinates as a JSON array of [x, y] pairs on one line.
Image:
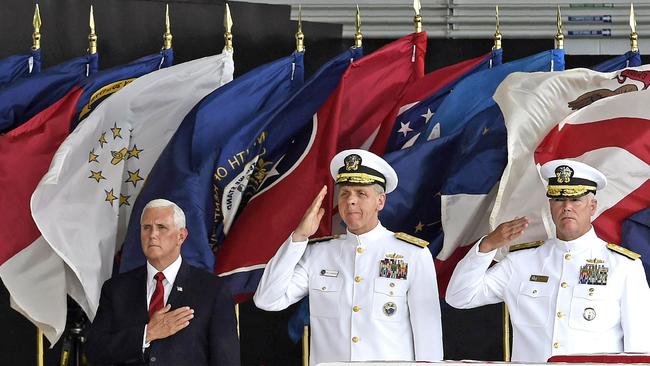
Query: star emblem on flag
[[124, 200], [92, 156], [110, 197], [102, 139], [134, 177], [134, 152], [96, 175], [117, 132]]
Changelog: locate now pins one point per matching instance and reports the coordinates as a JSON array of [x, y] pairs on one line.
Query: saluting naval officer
[[372, 293], [573, 293]]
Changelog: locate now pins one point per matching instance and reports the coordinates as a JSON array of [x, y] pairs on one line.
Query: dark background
[[129, 29]]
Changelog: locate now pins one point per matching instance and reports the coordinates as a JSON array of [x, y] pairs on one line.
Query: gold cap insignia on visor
[[563, 174], [352, 162]]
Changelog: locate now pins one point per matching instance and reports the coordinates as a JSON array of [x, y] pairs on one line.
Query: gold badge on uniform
[[390, 309], [593, 273], [393, 266], [538, 278], [589, 314]]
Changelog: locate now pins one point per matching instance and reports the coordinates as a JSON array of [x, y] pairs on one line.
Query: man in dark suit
[[166, 312]]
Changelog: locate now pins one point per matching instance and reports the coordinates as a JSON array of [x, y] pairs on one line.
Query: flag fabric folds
[[30, 270], [350, 118], [17, 66], [608, 130], [636, 237], [421, 100], [26, 97], [65, 206], [464, 157], [629, 59], [219, 132]]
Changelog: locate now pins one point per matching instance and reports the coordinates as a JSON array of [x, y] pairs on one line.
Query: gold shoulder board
[[532, 244], [323, 238], [412, 239], [624, 251]]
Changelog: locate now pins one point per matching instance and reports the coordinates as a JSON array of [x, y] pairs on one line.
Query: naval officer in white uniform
[[573, 293], [372, 293]]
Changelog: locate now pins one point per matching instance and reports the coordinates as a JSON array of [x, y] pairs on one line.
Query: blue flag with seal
[[222, 124], [287, 135], [26, 97], [462, 159], [629, 59], [17, 66]]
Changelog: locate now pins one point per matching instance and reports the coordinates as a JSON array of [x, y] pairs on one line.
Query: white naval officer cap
[[570, 178], [361, 167]]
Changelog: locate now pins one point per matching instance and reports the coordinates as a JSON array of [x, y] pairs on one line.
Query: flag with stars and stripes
[[601, 119], [18, 66], [26, 97], [462, 156], [421, 100], [224, 133]]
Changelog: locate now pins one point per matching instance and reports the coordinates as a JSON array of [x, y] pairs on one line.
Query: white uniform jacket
[[357, 312], [553, 311]]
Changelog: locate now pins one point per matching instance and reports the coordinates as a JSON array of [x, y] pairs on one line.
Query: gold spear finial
[[167, 37], [227, 23], [634, 37], [417, 19], [300, 37], [358, 36], [92, 37], [36, 36], [497, 32], [559, 36]]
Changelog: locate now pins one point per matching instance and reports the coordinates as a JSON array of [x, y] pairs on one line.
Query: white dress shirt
[[170, 276]]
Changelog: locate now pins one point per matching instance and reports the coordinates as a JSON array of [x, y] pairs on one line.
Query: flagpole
[[358, 36], [300, 37], [305, 345], [227, 23], [39, 347], [92, 37], [559, 36], [237, 318], [36, 36], [417, 19], [497, 32], [167, 36], [506, 333], [634, 37]]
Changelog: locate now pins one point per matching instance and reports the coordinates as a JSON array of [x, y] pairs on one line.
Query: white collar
[[586, 241], [170, 272]]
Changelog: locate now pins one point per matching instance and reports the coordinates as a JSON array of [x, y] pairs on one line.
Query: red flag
[[368, 92], [627, 134], [25, 155]]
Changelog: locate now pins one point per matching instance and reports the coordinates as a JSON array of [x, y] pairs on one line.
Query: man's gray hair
[[179, 215], [379, 189]]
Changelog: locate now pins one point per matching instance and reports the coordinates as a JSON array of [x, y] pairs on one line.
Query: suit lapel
[[177, 295], [140, 293]]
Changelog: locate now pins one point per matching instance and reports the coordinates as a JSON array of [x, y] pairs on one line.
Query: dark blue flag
[[17, 66], [220, 125], [289, 133], [629, 59], [26, 97], [636, 237], [467, 157]]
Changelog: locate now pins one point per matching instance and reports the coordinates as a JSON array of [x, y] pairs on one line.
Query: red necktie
[[158, 297]]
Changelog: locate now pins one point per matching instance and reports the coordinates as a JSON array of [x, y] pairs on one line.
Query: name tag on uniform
[[329, 273], [538, 278]]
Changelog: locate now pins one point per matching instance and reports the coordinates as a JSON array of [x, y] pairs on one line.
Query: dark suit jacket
[[115, 336]]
